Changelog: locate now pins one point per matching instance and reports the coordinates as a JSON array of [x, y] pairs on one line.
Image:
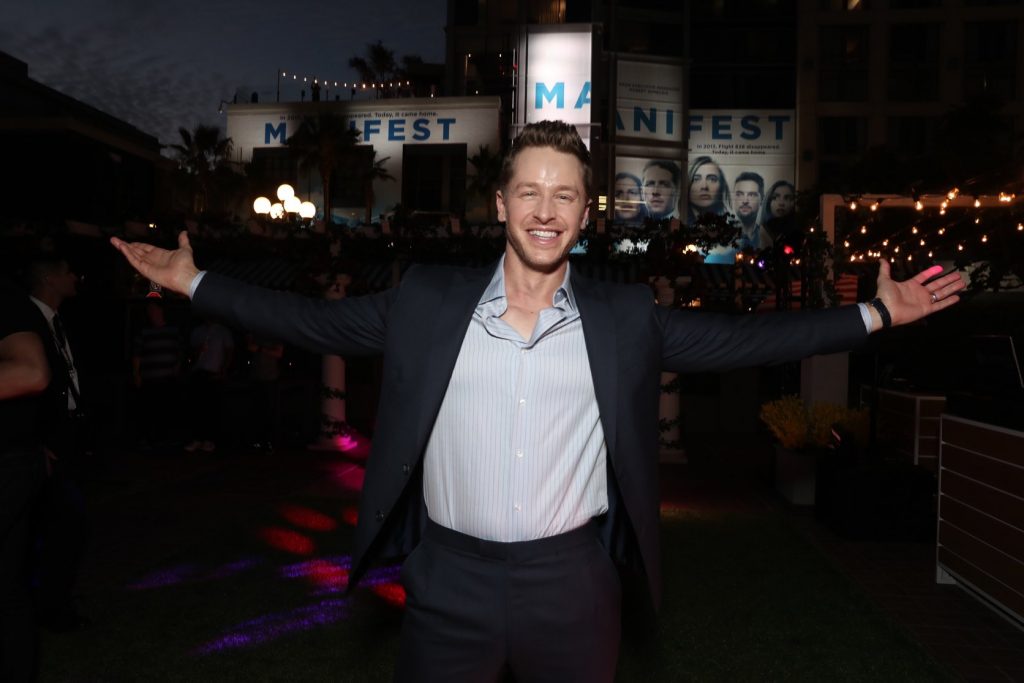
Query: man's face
[[63, 281], [659, 191], [544, 207], [627, 198], [705, 186], [746, 198]]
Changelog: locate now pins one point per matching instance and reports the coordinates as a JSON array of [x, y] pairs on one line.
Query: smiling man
[[516, 447]]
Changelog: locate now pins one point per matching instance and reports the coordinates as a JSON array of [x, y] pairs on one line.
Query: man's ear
[[499, 199], [586, 215]]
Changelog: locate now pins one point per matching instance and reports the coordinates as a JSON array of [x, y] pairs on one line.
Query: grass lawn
[[231, 570]]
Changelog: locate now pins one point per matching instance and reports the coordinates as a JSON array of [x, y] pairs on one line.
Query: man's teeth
[[543, 233]]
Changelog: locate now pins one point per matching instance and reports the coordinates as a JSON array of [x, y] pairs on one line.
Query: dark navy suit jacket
[[419, 327]]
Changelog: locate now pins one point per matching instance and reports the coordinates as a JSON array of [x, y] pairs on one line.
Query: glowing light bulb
[[874, 206], [959, 247], [942, 231], [984, 238], [914, 230], [918, 205], [853, 206], [846, 243], [885, 243], [977, 203], [863, 229]]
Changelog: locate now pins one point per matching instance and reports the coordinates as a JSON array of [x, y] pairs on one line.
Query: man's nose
[[545, 210]]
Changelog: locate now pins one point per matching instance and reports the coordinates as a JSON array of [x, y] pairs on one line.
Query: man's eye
[[564, 198]]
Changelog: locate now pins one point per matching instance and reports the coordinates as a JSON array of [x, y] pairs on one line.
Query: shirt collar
[[563, 298], [45, 308]]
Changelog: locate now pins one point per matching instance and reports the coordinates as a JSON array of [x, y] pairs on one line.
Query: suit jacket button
[[405, 468], [379, 516]]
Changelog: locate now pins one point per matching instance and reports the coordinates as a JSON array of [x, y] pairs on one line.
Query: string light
[[977, 203], [942, 212], [959, 247], [853, 206], [930, 255], [977, 221], [896, 250], [913, 230], [984, 238], [1005, 197], [952, 194], [874, 206], [918, 205], [942, 231], [910, 257], [344, 84], [1020, 227], [885, 243], [922, 243], [846, 243], [863, 229]]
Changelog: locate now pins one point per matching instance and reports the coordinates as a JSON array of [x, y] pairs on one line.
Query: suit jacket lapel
[[601, 339], [449, 330]]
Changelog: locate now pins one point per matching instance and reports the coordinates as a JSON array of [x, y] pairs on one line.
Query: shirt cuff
[[199, 278], [865, 314]]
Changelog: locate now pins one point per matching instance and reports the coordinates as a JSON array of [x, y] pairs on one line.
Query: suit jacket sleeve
[[351, 326], [699, 342]]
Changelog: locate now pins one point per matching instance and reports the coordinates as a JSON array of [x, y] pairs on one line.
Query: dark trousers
[[21, 474], [62, 536], [544, 610]]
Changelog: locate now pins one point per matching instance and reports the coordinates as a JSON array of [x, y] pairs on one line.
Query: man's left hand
[[919, 296]]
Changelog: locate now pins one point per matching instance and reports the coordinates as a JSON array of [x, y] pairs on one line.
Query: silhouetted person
[[24, 375], [62, 524], [213, 348], [156, 370]]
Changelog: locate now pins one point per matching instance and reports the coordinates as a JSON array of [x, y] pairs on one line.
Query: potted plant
[[802, 433]]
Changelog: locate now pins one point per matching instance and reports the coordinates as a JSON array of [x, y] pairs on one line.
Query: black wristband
[[883, 312]]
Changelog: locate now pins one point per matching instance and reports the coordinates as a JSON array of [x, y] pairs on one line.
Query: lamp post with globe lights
[[289, 203]]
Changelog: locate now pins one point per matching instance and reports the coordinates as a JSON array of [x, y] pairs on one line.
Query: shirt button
[[523, 351], [522, 401], [405, 468], [519, 454], [518, 507], [380, 516]]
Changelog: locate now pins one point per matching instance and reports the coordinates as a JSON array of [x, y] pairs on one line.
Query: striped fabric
[[159, 351], [517, 452]]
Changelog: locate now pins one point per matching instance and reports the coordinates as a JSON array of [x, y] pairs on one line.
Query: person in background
[[213, 348], [62, 524], [264, 372], [24, 376], [156, 371]]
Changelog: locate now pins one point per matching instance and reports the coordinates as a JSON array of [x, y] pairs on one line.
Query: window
[[990, 59], [913, 62], [912, 136], [843, 53], [842, 135]]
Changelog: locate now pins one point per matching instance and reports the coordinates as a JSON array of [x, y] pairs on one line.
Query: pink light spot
[[391, 593], [287, 540], [345, 442], [307, 518], [349, 476]]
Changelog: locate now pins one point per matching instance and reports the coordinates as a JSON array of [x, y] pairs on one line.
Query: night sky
[[163, 65]]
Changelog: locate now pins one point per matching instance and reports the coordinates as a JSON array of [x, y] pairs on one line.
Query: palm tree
[[380, 66], [485, 180], [373, 171], [322, 142], [201, 154]]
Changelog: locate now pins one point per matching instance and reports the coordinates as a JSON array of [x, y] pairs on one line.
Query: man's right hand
[[173, 270]]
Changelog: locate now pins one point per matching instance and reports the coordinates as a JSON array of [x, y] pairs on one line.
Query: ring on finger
[[935, 298]]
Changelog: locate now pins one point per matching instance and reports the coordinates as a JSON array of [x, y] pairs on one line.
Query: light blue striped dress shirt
[[517, 452]]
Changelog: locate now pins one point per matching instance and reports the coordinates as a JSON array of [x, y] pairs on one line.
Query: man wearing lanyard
[[516, 448], [62, 525]]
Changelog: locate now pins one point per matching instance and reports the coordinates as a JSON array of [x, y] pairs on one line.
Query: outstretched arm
[[23, 366], [171, 269]]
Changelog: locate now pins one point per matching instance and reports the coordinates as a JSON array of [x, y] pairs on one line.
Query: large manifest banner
[[649, 101], [558, 77], [387, 125], [741, 164]]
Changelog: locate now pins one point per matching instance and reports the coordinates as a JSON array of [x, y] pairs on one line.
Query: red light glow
[[391, 593], [287, 540], [787, 250], [350, 515], [307, 518]]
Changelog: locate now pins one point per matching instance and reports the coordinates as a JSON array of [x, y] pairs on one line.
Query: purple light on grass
[[191, 573], [273, 626]]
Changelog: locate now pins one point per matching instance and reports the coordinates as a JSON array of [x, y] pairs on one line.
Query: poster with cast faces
[[645, 188], [741, 164]]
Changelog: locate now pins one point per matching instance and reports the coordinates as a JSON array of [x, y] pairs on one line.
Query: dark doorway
[[434, 178]]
